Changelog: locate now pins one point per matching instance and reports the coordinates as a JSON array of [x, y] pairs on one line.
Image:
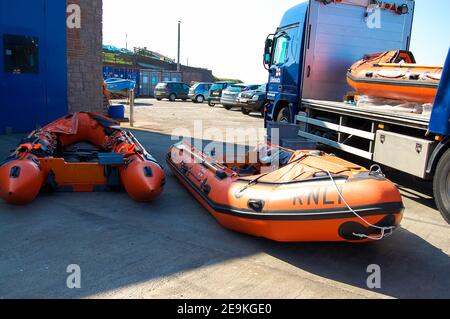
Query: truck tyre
[[228, 107], [245, 111], [199, 99], [211, 104], [441, 186], [284, 116], [158, 99], [172, 97]]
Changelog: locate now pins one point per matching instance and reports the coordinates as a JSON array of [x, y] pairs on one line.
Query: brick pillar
[[84, 59]]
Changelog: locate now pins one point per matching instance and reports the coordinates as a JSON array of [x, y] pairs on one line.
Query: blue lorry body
[[440, 117]]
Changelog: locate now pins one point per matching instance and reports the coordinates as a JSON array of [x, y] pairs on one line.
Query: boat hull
[[294, 213]]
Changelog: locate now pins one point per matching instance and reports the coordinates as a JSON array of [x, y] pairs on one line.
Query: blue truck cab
[[283, 58], [307, 59]]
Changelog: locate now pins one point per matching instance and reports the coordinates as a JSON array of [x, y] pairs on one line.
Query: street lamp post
[[179, 44]]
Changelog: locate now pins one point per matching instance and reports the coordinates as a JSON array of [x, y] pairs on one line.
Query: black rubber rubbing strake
[[315, 214]]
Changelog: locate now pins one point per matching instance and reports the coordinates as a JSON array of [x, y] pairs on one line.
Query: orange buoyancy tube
[[29, 167], [395, 75], [312, 196], [142, 176], [21, 179]]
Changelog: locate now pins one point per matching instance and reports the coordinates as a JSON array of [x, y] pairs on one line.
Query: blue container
[[116, 111]]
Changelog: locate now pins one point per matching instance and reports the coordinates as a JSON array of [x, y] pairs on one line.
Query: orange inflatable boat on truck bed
[[395, 75], [82, 152], [291, 196]]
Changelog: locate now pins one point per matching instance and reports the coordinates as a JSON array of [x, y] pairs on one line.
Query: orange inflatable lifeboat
[[82, 152], [291, 196], [395, 75]]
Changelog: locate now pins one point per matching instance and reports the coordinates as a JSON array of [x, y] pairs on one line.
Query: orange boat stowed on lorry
[[82, 152], [307, 196], [395, 75]]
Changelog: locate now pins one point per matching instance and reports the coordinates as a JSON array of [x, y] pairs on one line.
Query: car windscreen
[[252, 87], [236, 88], [217, 87]]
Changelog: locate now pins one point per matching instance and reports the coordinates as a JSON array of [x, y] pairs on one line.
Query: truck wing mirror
[[267, 59], [268, 50]]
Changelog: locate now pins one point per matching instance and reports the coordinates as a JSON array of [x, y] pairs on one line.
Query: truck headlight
[[255, 98]]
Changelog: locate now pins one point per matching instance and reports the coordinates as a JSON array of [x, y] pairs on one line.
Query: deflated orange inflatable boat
[[395, 75], [82, 152], [291, 196]]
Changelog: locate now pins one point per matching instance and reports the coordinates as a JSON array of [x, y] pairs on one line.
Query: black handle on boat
[[144, 152], [219, 173], [256, 204]]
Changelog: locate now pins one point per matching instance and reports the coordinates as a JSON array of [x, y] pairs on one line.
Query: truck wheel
[[441, 186], [211, 104], [199, 99], [172, 97], [245, 111], [228, 107], [284, 116]]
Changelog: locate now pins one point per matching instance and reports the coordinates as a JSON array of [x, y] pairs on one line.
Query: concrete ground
[[173, 248]]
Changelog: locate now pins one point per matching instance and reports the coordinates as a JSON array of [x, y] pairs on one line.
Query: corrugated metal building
[[148, 68], [33, 63], [44, 65]]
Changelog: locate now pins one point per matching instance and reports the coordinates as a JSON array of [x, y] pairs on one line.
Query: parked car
[[200, 92], [253, 101], [172, 91], [230, 95], [215, 93]]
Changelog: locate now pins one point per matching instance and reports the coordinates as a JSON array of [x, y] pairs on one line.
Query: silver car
[[230, 95], [200, 92]]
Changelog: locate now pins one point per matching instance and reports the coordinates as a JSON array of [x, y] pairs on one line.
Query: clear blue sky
[[228, 36], [431, 31]]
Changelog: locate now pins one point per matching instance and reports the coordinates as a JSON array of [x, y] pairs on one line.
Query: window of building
[[21, 54]]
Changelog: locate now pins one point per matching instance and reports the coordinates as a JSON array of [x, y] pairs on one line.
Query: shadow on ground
[[119, 243]]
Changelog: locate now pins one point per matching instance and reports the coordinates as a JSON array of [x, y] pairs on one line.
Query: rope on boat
[[375, 169], [385, 231]]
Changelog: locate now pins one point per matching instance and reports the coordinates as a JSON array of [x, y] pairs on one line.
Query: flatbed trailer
[[370, 133], [411, 120]]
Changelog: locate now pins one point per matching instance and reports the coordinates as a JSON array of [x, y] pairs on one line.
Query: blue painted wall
[[31, 100]]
